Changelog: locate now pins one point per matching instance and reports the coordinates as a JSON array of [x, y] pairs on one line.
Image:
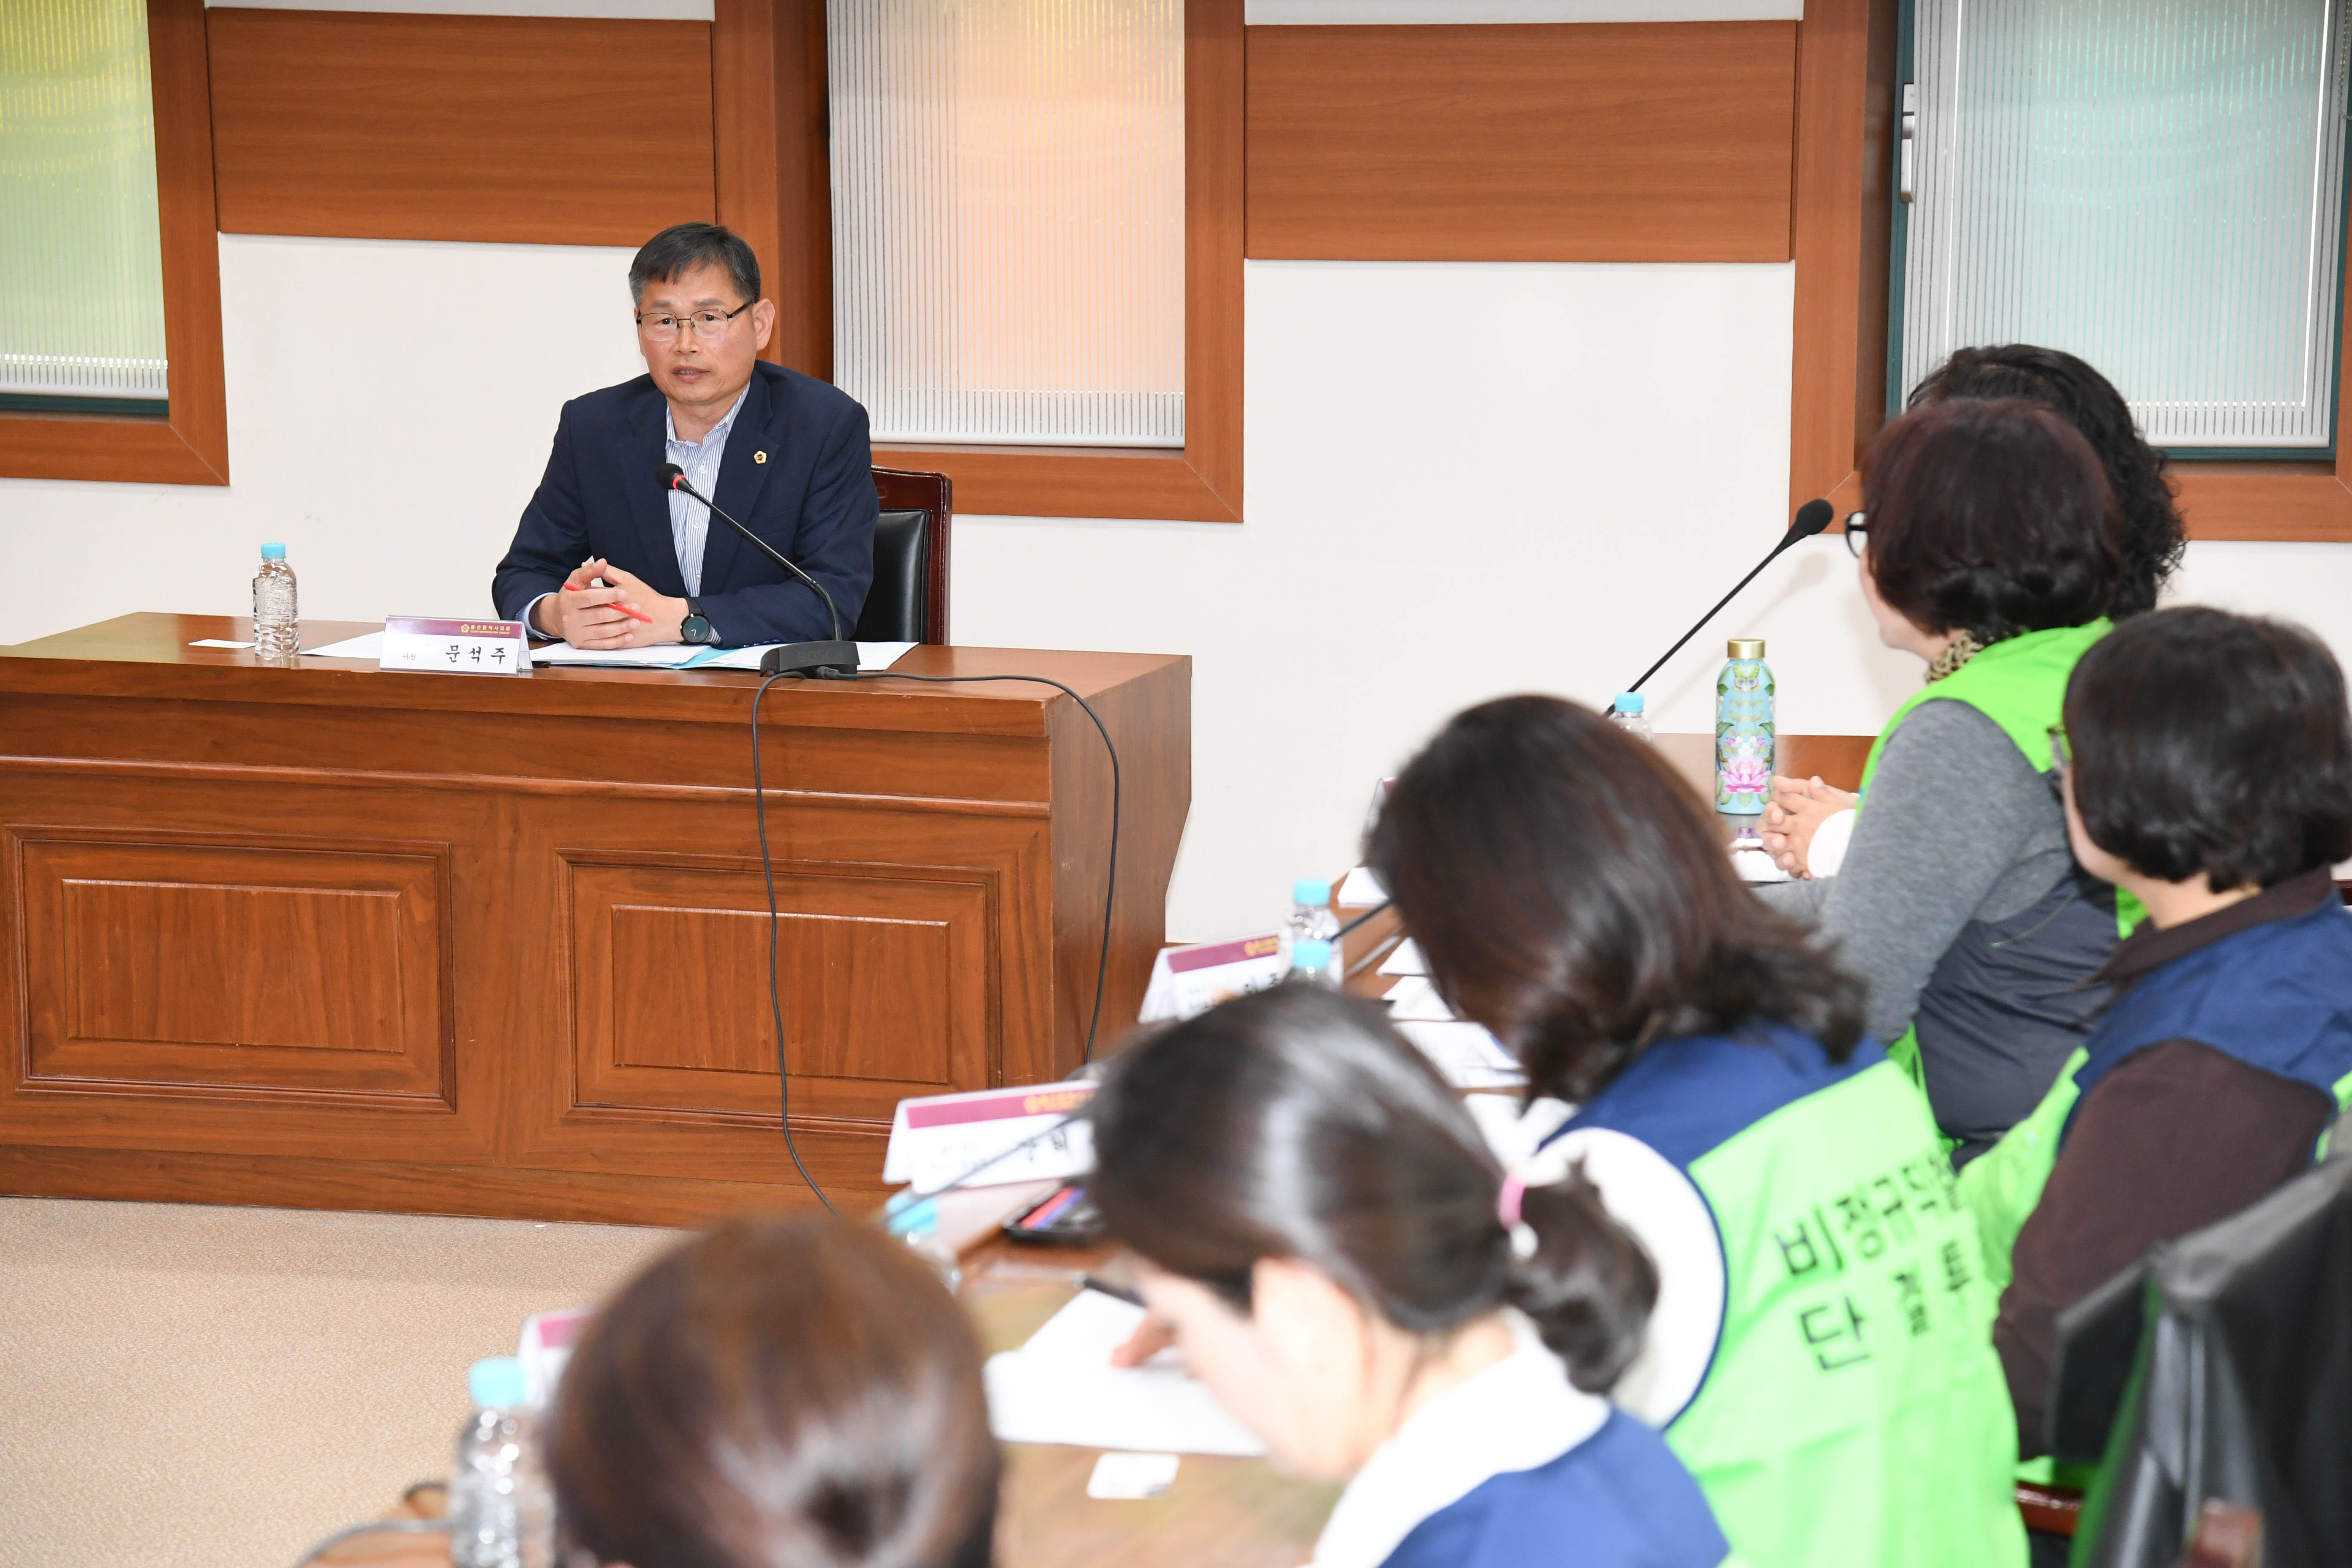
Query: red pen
[[633, 614]]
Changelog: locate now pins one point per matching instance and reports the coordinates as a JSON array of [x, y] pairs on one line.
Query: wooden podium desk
[[332, 937]]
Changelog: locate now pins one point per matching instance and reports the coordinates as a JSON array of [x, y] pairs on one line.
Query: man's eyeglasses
[[2062, 756], [1857, 532], [662, 326]]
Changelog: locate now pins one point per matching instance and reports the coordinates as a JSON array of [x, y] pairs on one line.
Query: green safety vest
[[2021, 685], [1853, 1412]]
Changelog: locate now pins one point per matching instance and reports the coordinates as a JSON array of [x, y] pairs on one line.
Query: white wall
[[1463, 480], [389, 409]]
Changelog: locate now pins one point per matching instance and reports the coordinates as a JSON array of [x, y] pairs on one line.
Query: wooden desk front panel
[[250, 959]]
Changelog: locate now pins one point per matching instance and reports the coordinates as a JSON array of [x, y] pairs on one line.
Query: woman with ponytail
[[1819, 1353], [1344, 1264]]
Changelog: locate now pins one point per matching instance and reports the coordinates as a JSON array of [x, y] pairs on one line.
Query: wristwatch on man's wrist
[[695, 627]]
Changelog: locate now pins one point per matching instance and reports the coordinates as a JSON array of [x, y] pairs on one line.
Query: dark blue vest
[[2276, 996]]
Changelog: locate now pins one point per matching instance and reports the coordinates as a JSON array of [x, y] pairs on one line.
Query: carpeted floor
[[220, 1387]]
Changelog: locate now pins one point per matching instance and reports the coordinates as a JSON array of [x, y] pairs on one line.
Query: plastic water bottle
[[916, 1222], [1311, 920], [1315, 962], [276, 618], [1744, 729], [1626, 714], [501, 1514]]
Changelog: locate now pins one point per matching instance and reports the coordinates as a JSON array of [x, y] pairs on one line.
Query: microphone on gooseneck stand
[[836, 658], [1811, 517]]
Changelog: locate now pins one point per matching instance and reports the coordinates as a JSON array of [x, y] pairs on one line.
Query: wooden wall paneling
[[293, 988], [253, 969], [1844, 88], [532, 130], [883, 980], [847, 1162], [600, 910], [1156, 797], [969, 892], [1203, 484], [775, 180], [190, 445], [1590, 142]]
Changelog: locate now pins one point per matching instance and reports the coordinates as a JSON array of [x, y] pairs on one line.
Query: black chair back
[[908, 599], [2241, 1387]]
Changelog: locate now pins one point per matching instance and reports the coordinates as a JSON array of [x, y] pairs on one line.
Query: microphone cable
[[768, 873]]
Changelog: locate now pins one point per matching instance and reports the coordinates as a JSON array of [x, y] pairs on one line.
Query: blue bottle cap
[[496, 1382], [1629, 702], [273, 552], [1310, 891], [1311, 955]]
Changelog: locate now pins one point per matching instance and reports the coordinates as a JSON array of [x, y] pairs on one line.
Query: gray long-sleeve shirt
[[1960, 907]]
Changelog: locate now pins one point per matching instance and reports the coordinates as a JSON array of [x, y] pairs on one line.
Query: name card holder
[[461, 647], [1188, 980]]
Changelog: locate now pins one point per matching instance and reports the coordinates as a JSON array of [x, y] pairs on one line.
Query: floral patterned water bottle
[[1743, 730]]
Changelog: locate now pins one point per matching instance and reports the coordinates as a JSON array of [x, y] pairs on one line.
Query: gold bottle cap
[[1744, 647]]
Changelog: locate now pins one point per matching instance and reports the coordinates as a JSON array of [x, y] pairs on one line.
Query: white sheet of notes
[[1060, 1387]]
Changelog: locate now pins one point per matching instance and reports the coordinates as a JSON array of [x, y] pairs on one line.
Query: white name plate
[[1189, 980], [462, 648], [937, 1139]]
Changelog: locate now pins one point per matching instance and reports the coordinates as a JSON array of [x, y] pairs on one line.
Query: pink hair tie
[[1507, 1208]]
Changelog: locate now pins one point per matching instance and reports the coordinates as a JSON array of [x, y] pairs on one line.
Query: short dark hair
[[1991, 517], [2153, 539], [2213, 742], [798, 1390], [1297, 1124], [683, 246], [1571, 893]]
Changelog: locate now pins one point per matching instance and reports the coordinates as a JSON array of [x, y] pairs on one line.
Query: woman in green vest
[[1819, 1352], [1991, 550]]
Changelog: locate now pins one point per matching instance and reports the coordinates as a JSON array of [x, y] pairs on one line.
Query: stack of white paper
[[1466, 1055], [1360, 889], [660, 656], [1060, 1387], [1415, 998], [1405, 960]]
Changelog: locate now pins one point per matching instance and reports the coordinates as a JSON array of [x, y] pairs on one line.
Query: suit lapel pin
[[758, 457]]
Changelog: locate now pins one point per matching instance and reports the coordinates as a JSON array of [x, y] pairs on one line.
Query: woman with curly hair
[[1994, 551], [2152, 537]]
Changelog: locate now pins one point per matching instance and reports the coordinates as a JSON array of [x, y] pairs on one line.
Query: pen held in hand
[[631, 611]]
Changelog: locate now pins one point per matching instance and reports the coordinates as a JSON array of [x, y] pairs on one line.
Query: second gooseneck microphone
[[1811, 517], [819, 658]]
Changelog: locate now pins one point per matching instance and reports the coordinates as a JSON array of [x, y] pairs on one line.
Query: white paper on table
[[1405, 960], [1060, 1387], [870, 656], [1755, 865], [1414, 997], [660, 656], [1360, 889], [1513, 1135], [1466, 1055], [218, 642], [1132, 1476], [368, 645]]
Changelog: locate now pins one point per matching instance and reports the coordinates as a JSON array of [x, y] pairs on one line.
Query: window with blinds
[[1008, 219], [2155, 185], [82, 312]]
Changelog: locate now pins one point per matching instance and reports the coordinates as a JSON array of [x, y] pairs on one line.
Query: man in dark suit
[[782, 453]]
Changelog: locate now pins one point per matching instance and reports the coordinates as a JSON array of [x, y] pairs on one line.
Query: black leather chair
[[2221, 1368], [909, 600]]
